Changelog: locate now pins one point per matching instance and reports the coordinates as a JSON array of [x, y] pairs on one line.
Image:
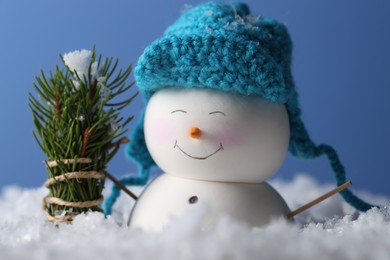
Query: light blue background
[[341, 68]]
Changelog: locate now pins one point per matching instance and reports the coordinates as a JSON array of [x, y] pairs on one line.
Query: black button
[[193, 200]]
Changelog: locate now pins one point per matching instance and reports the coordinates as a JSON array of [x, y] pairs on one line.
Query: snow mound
[[330, 230]]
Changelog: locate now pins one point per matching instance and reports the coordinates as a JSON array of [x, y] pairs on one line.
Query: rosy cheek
[[162, 131], [230, 138]]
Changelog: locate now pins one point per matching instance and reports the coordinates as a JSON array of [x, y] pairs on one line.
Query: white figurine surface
[[217, 148], [168, 197]]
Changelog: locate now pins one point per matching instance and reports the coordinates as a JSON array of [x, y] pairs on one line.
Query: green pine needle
[[78, 116]]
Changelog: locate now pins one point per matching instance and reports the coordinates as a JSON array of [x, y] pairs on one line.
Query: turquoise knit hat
[[221, 46]]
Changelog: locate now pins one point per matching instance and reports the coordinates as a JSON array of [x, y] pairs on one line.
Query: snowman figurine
[[216, 149], [221, 113]]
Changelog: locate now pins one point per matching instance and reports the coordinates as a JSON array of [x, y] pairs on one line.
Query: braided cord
[[339, 171], [140, 180]]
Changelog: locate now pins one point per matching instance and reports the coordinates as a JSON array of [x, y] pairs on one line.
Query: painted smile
[[195, 157]]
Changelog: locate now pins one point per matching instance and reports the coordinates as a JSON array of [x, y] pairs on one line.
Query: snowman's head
[[212, 135]]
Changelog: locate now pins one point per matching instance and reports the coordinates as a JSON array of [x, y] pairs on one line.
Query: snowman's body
[[217, 149], [169, 197]]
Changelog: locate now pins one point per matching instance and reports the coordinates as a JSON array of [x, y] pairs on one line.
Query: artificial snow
[[79, 61], [330, 230]]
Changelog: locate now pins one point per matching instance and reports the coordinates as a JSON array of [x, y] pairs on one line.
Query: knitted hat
[[221, 46]]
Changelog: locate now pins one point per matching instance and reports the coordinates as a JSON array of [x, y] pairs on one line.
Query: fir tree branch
[[78, 116]]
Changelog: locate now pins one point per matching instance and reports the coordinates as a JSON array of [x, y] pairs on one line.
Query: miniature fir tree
[[79, 128]]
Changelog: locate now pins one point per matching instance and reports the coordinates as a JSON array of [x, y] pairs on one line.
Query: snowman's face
[[211, 135]]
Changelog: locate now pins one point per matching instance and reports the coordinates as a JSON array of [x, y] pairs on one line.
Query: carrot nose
[[195, 133]]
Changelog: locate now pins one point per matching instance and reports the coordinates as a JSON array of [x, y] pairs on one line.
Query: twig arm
[[319, 199], [121, 186]]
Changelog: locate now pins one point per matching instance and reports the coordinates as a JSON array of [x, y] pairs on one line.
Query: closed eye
[[178, 110], [217, 112]]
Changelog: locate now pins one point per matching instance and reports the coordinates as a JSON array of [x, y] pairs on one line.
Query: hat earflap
[[302, 146], [135, 150]]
